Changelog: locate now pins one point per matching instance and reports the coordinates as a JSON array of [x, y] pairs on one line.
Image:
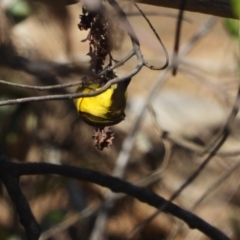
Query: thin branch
[[72, 96], [206, 81], [157, 174], [40, 88], [153, 14], [87, 212], [177, 35], [202, 31], [210, 190], [158, 38], [227, 126]]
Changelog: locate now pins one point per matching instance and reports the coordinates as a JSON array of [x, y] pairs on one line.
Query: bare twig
[[210, 190], [202, 31], [40, 88], [177, 36], [218, 89], [153, 13], [72, 96], [158, 38], [157, 174], [68, 223]]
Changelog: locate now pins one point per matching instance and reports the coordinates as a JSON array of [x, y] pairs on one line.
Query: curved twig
[[118, 185], [40, 88], [177, 36], [72, 96], [158, 38], [11, 181]]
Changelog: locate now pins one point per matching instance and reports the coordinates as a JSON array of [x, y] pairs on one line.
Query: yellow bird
[[104, 109]]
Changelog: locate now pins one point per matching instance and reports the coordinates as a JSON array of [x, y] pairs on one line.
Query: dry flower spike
[[102, 137]]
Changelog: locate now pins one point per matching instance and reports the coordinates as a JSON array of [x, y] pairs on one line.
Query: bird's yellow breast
[[97, 105]]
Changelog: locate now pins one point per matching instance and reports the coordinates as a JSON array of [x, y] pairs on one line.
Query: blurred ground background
[[192, 108]]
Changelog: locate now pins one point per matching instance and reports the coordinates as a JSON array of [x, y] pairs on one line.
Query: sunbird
[[104, 109]]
